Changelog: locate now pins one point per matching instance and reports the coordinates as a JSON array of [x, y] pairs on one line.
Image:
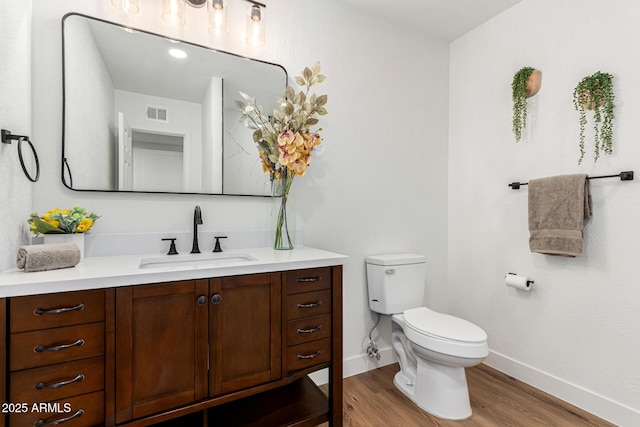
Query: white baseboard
[[362, 363], [594, 403]]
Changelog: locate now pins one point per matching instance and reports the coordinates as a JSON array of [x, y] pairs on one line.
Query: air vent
[[157, 114]]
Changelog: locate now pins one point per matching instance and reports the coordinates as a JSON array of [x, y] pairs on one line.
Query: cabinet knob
[[202, 300], [216, 299]]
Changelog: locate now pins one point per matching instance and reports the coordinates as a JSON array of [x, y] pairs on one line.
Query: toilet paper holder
[[518, 282]]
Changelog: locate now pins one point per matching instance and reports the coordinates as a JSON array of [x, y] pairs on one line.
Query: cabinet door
[[244, 331], [161, 347]]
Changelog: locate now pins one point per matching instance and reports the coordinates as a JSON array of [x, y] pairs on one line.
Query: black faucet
[[197, 219]]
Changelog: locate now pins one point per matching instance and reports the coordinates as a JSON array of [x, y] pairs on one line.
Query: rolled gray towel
[[47, 256]]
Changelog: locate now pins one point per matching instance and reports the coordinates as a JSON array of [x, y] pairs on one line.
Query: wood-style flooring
[[371, 400]]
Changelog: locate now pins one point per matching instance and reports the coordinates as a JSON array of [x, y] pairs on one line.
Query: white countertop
[[124, 270]]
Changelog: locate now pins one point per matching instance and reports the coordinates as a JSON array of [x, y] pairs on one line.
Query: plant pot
[[76, 238], [590, 104], [533, 83]]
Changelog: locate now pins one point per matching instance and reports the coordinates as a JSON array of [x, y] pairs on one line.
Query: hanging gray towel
[[47, 257], [558, 207]]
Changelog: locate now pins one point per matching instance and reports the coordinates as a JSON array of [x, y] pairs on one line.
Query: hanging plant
[[595, 93], [526, 83]]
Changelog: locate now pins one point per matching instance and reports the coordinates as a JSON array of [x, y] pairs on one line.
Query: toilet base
[[440, 390]]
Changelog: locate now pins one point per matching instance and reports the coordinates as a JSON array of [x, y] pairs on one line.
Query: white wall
[[576, 333], [15, 115], [379, 187]]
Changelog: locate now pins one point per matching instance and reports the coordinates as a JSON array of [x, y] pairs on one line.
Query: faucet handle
[[172, 248], [217, 248]]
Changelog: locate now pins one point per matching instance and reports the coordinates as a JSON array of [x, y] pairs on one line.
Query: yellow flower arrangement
[[58, 221], [285, 139]]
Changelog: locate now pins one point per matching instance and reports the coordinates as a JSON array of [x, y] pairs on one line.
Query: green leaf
[[300, 81], [257, 135], [311, 121], [321, 78], [322, 111], [44, 227]]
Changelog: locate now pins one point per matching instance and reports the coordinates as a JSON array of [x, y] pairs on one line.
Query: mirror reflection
[[144, 113]]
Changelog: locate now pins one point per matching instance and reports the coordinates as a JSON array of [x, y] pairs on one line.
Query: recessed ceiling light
[[178, 53]]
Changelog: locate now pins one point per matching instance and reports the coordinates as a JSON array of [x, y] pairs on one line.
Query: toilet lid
[[443, 326]]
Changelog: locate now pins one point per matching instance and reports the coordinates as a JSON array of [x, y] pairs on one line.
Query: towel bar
[[624, 176]]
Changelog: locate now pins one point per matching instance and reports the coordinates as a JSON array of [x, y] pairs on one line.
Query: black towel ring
[[7, 138]]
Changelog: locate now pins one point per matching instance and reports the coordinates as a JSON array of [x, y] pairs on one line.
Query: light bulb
[[173, 11], [217, 18], [127, 6], [255, 26]]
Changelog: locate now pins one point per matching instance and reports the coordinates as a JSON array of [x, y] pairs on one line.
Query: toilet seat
[[444, 333], [443, 326]]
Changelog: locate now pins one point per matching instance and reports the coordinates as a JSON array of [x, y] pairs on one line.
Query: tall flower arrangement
[[286, 138]]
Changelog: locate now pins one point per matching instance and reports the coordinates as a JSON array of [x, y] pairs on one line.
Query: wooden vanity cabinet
[[222, 351]]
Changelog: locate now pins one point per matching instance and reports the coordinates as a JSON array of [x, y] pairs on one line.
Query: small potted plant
[[63, 226], [595, 93], [526, 83]]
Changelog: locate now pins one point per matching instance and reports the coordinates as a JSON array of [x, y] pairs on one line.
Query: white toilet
[[433, 348]]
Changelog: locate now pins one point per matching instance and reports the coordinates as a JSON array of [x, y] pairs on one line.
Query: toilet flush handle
[[390, 271]]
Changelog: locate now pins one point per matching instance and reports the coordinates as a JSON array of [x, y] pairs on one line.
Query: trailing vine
[[519, 96], [595, 93]]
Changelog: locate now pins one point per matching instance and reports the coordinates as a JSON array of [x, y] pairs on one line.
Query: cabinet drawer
[[308, 329], [40, 348], [84, 411], [57, 381], [308, 304], [312, 279], [52, 311], [308, 354]]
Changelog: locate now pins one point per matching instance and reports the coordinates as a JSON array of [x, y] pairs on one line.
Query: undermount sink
[[195, 260]]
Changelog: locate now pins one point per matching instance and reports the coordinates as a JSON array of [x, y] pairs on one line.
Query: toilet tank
[[396, 282]]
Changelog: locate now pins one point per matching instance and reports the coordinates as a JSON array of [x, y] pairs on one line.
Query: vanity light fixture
[[174, 11], [255, 23]]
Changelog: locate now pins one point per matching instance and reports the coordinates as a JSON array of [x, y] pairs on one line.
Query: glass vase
[[283, 213]]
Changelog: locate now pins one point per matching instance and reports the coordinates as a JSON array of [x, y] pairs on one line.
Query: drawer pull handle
[[41, 348], [309, 331], [41, 423], [41, 311], [310, 305], [309, 356], [42, 386], [308, 279]]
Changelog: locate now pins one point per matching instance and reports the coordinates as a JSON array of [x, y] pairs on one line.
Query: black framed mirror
[[146, 113]]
